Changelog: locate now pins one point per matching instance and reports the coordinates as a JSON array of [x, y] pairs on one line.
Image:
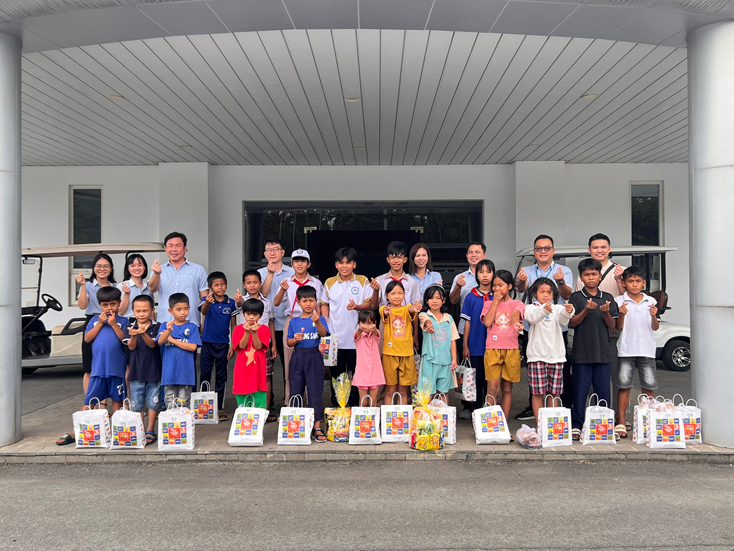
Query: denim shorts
[[146, 392], [645, 367]]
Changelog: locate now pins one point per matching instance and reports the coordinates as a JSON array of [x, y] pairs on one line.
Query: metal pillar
[[711, 176]]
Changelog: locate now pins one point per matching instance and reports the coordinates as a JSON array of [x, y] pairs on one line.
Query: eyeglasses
[[273, 249], [543, 249], [102, 267]]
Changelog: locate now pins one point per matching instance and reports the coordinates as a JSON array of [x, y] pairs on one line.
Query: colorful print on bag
[[247, 424], [174, 433], [89, 435], [426, 442], [293, 427], [601, 429], [203, 408], [692, 428], [397, 423], [124, 436], [557, 428], [365, 427], [492, 421], [667, 430]]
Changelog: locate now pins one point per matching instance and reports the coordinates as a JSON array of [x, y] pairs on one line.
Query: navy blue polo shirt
[[108, 352], [217, 320], [145, 362], [472, 312]]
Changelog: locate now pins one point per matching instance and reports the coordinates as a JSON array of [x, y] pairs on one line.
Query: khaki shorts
[[399, 370], [502, 363]]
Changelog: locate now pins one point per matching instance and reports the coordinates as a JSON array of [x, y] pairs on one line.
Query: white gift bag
[[295, 423], [665, 430], [448, 417], [329, 348], [598, 423], [128, 431], [204, 405], [92, 427], [248, 425], [639, 419], [554, 425], [466, 381], [395, 421], [490, 424], [364, 427], [691, 417], [175, 429]]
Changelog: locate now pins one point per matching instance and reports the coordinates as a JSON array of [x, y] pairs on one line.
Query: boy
[[144, 375], [109, 361], [307, 364], [219, 313], [397, 256], [591, 354], [252, 281], [637, 322], [251, 340], [344, 296], [179, 339]]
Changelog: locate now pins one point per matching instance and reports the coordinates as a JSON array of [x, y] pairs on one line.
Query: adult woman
[[134, 284], [420, 269]]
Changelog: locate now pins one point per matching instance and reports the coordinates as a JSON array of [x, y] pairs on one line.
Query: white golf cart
[[63, 344], [673, 341]]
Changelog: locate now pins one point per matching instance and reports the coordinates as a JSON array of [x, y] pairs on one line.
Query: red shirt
[[249, 364]]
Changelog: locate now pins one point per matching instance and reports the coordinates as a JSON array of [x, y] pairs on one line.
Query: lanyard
[[547, 273], [299, 284]]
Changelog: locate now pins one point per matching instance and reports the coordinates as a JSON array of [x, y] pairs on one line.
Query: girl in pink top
[[503, 318], [368, 374]]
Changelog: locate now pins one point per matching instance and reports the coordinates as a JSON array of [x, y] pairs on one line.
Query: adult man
[[543, 251], [178, 275]]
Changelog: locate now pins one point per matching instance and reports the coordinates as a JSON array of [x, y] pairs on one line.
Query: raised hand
[[590, 305], [125, 289], [417, 305], [352, 305], [522, 275], [272, 266], [653, 311], [569, 307], [519, 327], [80, 279], [210, 298], [618, 271], [238, 297], [428, 327], [299, 336], [315, 317], [284, 284], [604, 307], [387, 311], [461, 280], [112, 320], [623, 308], [103, 317], [548, 307], [156, 267], [558, 277], [375, 284]]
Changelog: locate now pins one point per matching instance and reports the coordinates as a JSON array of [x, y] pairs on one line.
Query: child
[[250, 340], [105, 333], [637, 322], [307, 365], [546, 351], [368, 374], [591, 353], [345, 296], [179, 339], [219, 313], [144, 375], [397, 256], [475, 332], [397, 345], [439, 340], [252, 281], [502, 316]]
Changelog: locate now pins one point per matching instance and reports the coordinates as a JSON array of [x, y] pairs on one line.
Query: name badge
[[494, 337]]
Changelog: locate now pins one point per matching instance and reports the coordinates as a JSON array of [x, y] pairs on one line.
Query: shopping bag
[[92, 427], [426, 427], [395, 421], [660, 405], [490, 424], [204, 406], [639, 419], [248, 425], [418, 361], [295, 423], [598, 423], [691, 419], [448, 417], [466, 381], [665, 430], [554, 424], [338, 419], [175, 429], [128, 431], [329, 348], [365, 424]]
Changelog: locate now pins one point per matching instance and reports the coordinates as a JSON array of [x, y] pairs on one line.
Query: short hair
[[253, 306], [599, 236], [129, 260], [345, 252], [392, 284], [178, 298], [638, 271], [589, 264], [109, 294], [532, 293], [472, 243], [486, 263], [411, 257], [174, 235], [367, 315], [145, 298], [252, 273], [275, 241], [428, 294], [103, 256], [544, 236], [397, 248], [305, 292], [212, 277]]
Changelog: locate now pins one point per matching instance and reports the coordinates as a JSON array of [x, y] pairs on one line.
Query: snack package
[[395, 421], [691, 418], [92, 427], [338, 419], [365, 425], [490, 424], [555, 425], [426, 427], [466, 381], [599, 423], [528, 438], [176, 429], [204, 406], [128, 431], [448, 417], [329, 348]]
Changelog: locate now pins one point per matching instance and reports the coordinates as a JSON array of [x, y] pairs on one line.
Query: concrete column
[[10, 282], [711, 176]]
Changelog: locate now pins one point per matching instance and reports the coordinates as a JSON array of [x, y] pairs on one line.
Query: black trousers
[[279, 346], [214, 356]]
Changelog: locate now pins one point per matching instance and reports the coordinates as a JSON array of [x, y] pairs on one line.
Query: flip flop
[[620, 431], [317, 432], [65, 439], [150, 438], [223, 417]]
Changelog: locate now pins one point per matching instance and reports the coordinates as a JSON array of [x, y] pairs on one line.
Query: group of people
[[378, 326]]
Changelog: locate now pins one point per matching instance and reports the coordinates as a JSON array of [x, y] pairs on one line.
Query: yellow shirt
[[398, 338]]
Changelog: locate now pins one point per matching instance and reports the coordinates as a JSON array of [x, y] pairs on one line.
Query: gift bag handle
[[251, 398], [695, 404], [99, 404], [201, 386], [442, 396], [295, 401], [392, 400], [553, 400], [129, 405], [466, 362], [643, 398], [682, 402], [361, 401], [486, 400], [588, 404]]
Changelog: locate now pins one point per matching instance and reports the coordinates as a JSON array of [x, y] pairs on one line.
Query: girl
[[439, 341], [421, 270], [368, 374], [546, 352], [134, 284], [502, 316]]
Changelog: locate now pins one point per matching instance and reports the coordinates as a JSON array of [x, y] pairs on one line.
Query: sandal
[[65, 439], [271, 418], [576, 434], [150, 438], [627, 427], [620, 431], [318, 435], [223, 417]]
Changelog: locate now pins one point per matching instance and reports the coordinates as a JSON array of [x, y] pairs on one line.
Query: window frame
[[72, 271]]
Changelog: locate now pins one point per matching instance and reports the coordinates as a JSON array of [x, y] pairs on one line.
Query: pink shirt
[[502, 335]]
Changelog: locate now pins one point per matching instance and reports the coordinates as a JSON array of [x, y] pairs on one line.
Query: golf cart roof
[[92, 248], [583, 252]]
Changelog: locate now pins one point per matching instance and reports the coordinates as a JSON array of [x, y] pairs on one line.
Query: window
[[646, 213], [86, 227]]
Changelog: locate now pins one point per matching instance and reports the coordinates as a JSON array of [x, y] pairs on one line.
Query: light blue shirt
[[534, 273], [430, 279], [471, 282], [284, 309], [134, 292], [93, 305], [189, 279]]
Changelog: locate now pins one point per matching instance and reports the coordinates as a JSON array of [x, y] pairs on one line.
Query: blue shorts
[[105, 387], [146, 392], [439, 375]]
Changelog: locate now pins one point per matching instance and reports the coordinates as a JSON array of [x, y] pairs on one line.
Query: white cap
[[300, 253]]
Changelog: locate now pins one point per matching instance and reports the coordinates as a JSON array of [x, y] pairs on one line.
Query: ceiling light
[[352, 98], [184, 146], [590, 96], [358, 147], [115, 98]]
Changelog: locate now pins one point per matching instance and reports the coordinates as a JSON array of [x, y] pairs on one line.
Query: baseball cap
[[300, 253]]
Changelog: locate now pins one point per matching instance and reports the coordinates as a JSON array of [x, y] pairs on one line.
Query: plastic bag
[[365, 425], [598, 424], [395, 421], [466, 381], [248, 425], [490, 424], [128, 431], [639, 419], [329, 348], [92, 427], [338, 419], [691, 418], [555, 425], [426, 427], [448, 417], [665, 427], [176, 429], [295, 423], [528, 438], [204, 406]]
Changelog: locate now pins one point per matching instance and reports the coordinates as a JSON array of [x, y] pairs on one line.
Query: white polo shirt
[[637, 338], [409, 284], [337, 294], [292, 309], [470, 282], [268, 313]]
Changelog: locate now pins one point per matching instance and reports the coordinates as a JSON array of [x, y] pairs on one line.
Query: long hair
[[103, 256], [129, 260], [411, 257], [429, 293], [533, 291], [507, 277]]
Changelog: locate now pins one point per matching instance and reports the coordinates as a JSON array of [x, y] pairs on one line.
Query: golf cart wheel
[[677, 355], [29, 370]]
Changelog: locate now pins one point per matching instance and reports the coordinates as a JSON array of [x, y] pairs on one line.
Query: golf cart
[[63, 344], [673, 341]]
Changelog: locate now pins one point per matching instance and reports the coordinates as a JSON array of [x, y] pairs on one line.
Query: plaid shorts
[[545, 378], [269, 362]]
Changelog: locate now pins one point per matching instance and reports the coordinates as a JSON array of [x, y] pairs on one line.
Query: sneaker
[[525, 415], [465, 414]]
